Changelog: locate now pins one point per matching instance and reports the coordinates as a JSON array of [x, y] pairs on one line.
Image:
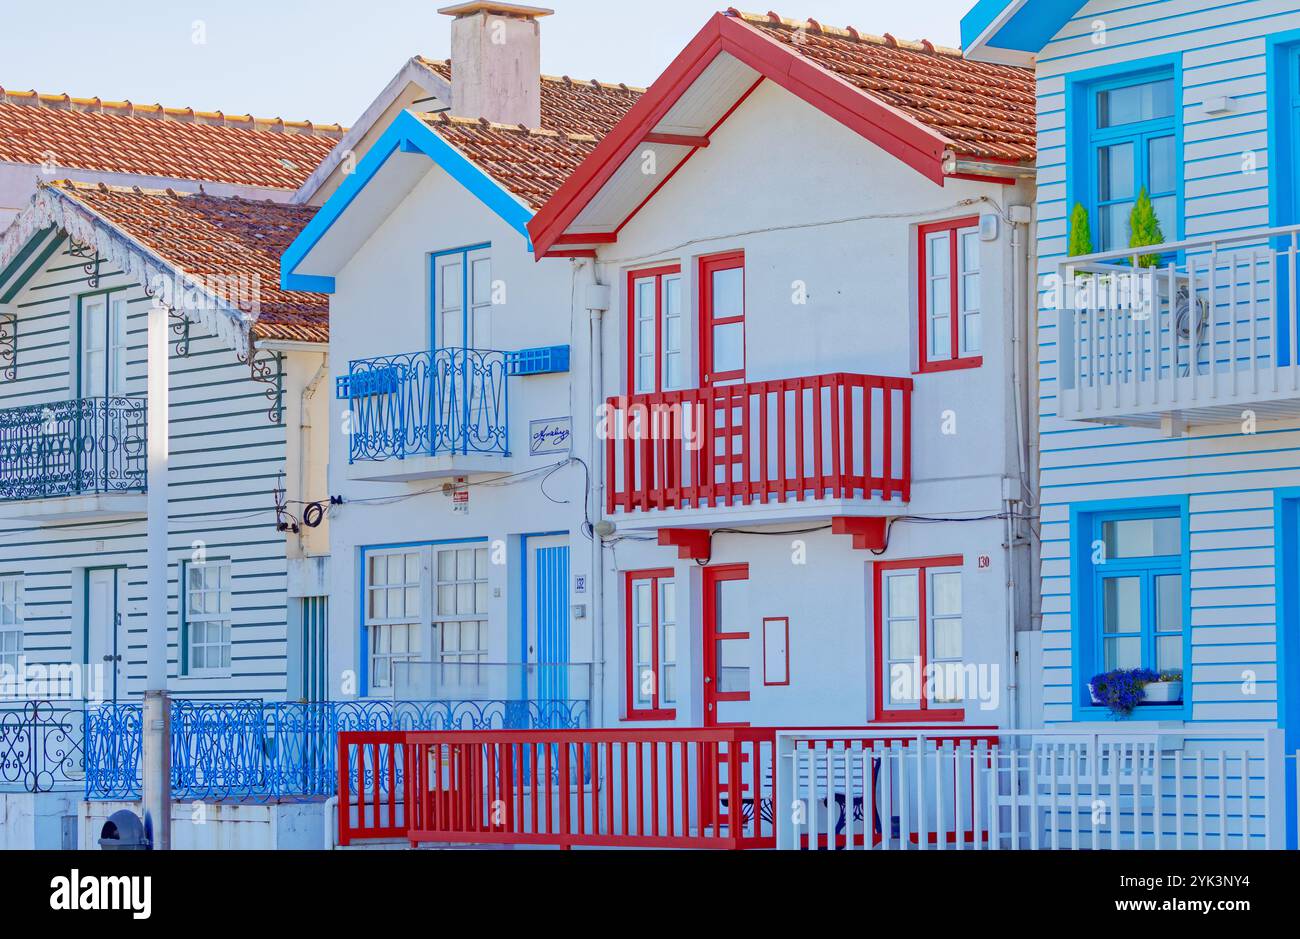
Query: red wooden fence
[[370, 796], [828, 436], [693, 788]]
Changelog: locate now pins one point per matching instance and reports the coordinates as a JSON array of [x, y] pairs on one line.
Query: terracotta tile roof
[[985, 111], [568, 105], [217, 239], [532, 164], [151, 140]]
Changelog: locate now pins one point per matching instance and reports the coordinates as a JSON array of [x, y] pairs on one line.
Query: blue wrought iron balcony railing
[[68, 448], [437, 402]]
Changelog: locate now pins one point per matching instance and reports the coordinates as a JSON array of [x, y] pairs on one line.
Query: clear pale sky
[[325, 60]]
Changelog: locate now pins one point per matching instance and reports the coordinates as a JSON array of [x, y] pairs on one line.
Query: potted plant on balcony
[[1167, 689], [1144, 228], [1121, 690]]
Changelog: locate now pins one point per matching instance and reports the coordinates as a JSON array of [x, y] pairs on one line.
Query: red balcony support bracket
[[869, 534], [692, 544]]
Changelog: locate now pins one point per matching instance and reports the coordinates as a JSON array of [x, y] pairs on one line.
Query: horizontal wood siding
[[1229, 476], [225, 460]]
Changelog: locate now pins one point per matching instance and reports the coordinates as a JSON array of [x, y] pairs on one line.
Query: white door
[[103, 346], [105, 598]]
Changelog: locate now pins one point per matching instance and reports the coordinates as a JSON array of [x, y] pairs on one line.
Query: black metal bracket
[[8, 346], [180, 323], [90, 255], [267, 368]]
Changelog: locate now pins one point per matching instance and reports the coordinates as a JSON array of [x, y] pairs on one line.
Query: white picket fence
[[1031, 790]]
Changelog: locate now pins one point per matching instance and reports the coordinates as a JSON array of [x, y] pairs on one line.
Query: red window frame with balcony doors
[[956, 277], [632, 681], [924, 710], [710, 321], [658, 275]]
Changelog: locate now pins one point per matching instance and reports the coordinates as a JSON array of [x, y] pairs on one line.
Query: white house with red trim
[[809, 246]]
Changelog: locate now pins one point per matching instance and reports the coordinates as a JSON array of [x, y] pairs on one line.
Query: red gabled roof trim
[[897, 134]]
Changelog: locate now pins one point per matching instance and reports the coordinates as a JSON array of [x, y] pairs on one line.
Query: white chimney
[[496, 61]]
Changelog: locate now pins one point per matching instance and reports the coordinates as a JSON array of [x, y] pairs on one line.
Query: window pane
[[1169, 603], [946, 589], [904, 682], [1145, 102], [1123, 653], [1167, 213], [904, 639], [729, 347], [1115, 172], [728, 293], [667, 601], [1169, 653], [453, 284], [947, 639], [1114, 225], [1143, 537], [733, 665], [446, 565], [1162, 172], [1122, 605], [901, 595]]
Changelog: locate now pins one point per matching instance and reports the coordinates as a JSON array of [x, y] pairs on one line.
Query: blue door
[[547, 627]]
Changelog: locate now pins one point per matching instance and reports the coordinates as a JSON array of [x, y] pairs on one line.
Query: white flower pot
[[1164, 692]]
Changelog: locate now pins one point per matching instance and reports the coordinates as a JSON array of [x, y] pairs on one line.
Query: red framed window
[[949, 295], [722, 318], [656, 328], [651, 645], [918, 626]]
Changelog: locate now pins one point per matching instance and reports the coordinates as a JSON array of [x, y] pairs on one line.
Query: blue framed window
[[422, 604], [1131, 590], [206, 614], [1130, 140]]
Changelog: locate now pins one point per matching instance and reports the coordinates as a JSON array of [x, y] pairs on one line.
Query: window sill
[[660, 715], [1143, 712], [919, 715], [950, 365]]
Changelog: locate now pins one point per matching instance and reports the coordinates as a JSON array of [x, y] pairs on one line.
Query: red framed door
[[726, 646], [722, 361]]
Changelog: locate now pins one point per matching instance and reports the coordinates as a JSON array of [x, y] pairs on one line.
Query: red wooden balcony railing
[[834, 436], [667, 788]]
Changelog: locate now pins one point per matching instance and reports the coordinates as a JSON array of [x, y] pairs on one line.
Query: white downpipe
[[156, 749], [331, 822], [305, 442], [595, 459]]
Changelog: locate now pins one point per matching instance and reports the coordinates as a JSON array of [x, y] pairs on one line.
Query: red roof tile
[[532, 164], [985, 111], [150, 140], [215, 238], [570, 106]]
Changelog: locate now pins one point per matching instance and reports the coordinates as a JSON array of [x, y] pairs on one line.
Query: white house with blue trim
[[1169, 394], [462, 553]]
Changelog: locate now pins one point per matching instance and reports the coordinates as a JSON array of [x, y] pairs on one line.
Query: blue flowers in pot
[[1122, 690]]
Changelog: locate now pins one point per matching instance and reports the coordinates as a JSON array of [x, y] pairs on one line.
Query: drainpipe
[[1021, 217], [597, 302], [304, 442], [156, 712]]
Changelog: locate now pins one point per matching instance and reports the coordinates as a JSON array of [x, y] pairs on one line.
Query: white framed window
[[207, 612], [394, 613], [103, 345], [460, 613], [11, 621]]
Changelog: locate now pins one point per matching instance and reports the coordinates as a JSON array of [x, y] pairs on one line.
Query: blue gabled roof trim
[[407, 134], [1030, 26]]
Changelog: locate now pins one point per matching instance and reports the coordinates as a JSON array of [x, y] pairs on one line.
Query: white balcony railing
[[1207, 335], [1033, 790]]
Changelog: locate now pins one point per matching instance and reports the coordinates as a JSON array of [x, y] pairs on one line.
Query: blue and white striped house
[[1169, 407]]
